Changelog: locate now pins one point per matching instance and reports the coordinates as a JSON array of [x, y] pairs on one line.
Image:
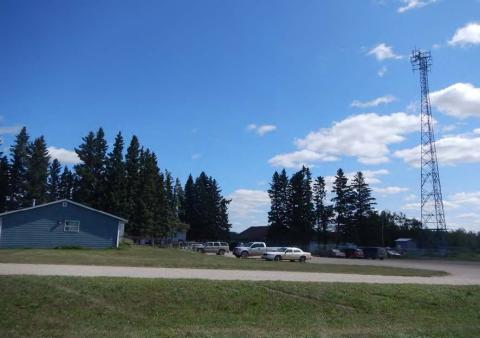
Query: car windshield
[[249, 244]]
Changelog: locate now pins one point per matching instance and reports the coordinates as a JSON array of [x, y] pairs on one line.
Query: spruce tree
[[67, 183], [323, 212], [278, 216], [363, 203], [54, 181], [189, 207], [4, 183], [91, 172], [179, 200], [37, 171], [116, 181], [132, 169], [301, 207], [18, 171], [342, 204]]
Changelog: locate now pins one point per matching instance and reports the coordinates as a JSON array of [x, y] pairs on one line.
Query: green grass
[[122, 307], [175, 258]]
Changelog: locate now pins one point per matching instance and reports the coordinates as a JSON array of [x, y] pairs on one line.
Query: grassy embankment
[[175, 258], [122, 307]]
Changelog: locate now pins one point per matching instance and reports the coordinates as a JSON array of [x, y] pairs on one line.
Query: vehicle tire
[[302, 259], [221, 252], [277, 258], [244, 254]]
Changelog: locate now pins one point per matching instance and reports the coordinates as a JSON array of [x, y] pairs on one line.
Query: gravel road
[[461, 273]]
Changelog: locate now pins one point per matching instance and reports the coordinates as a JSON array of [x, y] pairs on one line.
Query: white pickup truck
[[251, 249]]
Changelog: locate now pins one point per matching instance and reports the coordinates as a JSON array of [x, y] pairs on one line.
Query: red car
[[354, 253]]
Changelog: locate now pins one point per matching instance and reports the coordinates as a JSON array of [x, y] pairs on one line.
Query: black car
[[374, 252]]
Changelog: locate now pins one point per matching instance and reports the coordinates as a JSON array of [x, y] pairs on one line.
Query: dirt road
[[460, 273]]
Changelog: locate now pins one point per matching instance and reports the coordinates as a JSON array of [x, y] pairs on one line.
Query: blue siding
[[43, 227]]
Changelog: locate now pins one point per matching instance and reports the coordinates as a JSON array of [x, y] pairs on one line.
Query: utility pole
[[433, 216]]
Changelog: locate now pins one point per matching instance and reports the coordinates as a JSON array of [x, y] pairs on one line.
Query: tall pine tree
[[116, 181], [67, 183], [37, 172], [54, 181], [342, 204], [363, 203], [4, 184], [301, 207], [279, 214], [323, 212], [18, 171]]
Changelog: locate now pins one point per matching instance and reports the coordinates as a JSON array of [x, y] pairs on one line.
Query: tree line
[[127, 183], [302, 209]]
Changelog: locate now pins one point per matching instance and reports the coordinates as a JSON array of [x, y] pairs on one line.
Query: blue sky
[[242, 88]]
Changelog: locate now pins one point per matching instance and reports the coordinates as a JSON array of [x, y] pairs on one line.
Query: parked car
[[353, 253], [336, 253], [393, 253], [219, 248], [374, 252], [251, 249], [288, 254], [197, 246]]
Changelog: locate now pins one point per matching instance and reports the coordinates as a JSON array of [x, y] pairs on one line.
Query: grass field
[[175, 258], [118, 307]]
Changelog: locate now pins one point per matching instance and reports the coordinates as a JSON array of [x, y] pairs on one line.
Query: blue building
[[59, 224]]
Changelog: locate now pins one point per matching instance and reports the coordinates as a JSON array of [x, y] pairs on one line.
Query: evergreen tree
[[116, 181], [179, 200], [91, 172], [188, 206], [132, 169], [301, 207], [54, 181], [67, 183], [18, 171], [278, 216], [343, 208], [323, 212], [37, 171], [4, 184], [363, 206]]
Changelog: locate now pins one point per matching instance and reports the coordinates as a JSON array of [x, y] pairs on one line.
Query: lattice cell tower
[[433, 216]]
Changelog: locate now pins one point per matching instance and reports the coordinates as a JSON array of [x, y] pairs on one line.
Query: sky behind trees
[[243, 88]]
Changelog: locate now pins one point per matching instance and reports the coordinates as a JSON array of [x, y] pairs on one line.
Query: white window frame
[[65, 229]]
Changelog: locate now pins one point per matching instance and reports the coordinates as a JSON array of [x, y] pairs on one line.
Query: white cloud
[[383, 52], [10, 130], [466, 35], [459, 100], [412, 4], [410, 197], [196, 156], [262, 129], [382, 71], [364, 136], [63, 155], [393, 190], [374, 103], [450, 150], [248, 208]]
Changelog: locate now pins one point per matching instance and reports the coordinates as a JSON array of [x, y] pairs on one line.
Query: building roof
[[403, 239], [61, 201], [255, 232]]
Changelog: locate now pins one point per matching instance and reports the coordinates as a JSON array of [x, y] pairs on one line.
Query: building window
[[71, 226]]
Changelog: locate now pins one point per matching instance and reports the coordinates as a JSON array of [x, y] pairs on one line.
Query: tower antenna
[[433, 216]]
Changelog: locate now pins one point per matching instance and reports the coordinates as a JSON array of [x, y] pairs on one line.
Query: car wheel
[[244, 254], [221, 252], [302, 259], [278, 258]]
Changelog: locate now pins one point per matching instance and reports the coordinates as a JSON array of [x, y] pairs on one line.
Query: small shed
[[59, 224], [404, 244]]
